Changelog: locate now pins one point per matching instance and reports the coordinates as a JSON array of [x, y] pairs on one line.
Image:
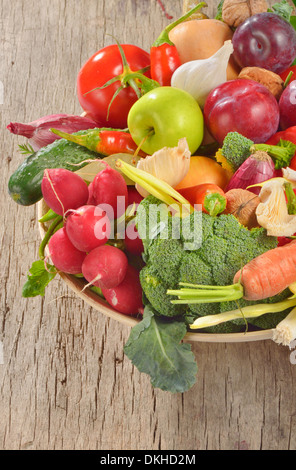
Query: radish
[[134, 196], [126, 297], [64, 255], [63, 190], [109, 188], [105, 267], [88, 227], [133, 243]]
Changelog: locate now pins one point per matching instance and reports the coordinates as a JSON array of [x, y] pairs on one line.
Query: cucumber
[[24, 185]]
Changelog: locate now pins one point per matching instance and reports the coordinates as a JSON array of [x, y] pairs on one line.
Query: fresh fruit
[[204, 170], [265, 40], [88, 227], [287, 105], [64, 255], [244, 106], [132, 241], [105, 267], [63, 190], [162, 117], [104, 65]]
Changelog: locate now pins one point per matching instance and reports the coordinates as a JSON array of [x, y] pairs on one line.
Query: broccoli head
[[222, 246], [235, 150]]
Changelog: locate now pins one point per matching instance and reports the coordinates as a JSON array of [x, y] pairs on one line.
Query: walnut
[[235, 12], [269, 79]]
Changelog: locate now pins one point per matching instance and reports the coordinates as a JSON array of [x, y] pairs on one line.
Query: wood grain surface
[[65, 382]]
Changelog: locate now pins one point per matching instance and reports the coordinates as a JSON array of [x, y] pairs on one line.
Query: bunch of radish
[[82, 245]]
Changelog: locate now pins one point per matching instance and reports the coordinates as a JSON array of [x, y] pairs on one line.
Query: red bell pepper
[[163, 53], [288, 134]]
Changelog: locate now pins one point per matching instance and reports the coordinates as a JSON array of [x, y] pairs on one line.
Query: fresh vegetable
[[132, 242], [163, 53], [265, 40], [272, 212], [167, 359], [103, 141], [256, 168], [204, 170], [200, 77], [88, 227], [200, 39], [265, 276], [24, 185], [109, 190], [62, 190], [126, 298], [209, 196], [64, 255], [38, 131], [288, 135], [241, 105], [110, 105], [268, 274], [217, 252], [285, 331], [250, 312], [287, 105], [284, 75], [291, 198], [168, 164], [236, 149], [105, 267], [162, 117], [242, 204]]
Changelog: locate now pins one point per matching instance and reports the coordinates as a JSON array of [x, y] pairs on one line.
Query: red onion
[[39, 134], [257, 168]]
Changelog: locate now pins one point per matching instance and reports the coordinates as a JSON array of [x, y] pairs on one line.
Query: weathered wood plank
[[65, 383]]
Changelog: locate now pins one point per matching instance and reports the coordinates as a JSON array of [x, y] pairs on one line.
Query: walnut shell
[[269, 79], [243, 204], [235, 12]]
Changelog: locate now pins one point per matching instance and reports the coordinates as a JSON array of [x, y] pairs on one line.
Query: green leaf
[[283, 9], [38, 279], [293, 21], [155, 348], [219, 11]]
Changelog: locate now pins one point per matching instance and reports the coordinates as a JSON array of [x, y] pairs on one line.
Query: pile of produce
[[173, 197]]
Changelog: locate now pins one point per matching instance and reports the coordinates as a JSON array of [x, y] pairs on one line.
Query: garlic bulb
[[168, 164], [200, 77]]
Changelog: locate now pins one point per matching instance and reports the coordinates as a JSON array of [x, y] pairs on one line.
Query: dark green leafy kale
[[155, 347]]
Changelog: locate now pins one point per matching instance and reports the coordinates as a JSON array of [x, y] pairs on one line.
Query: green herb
[[40, 276], [283, 9], [169, 362], [26, 149]]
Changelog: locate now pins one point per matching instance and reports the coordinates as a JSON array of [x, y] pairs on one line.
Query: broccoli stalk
[[236, 149], [201, 294]]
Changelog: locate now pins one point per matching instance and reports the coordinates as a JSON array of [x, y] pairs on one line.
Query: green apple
[[163, 116]]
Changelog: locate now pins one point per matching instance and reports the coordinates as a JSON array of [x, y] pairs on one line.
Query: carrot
[[261, 278], [269, 273]]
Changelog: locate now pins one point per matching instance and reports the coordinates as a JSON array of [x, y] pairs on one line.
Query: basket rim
[[100, 305]]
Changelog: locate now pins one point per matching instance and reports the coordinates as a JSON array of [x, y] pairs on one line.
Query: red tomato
[[98, 70], [287, 134], [284, 74]]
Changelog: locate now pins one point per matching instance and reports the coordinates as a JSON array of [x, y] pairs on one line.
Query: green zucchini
[[24, 185]]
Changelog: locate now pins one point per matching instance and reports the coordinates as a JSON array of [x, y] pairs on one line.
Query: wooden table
[[65, 382]]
